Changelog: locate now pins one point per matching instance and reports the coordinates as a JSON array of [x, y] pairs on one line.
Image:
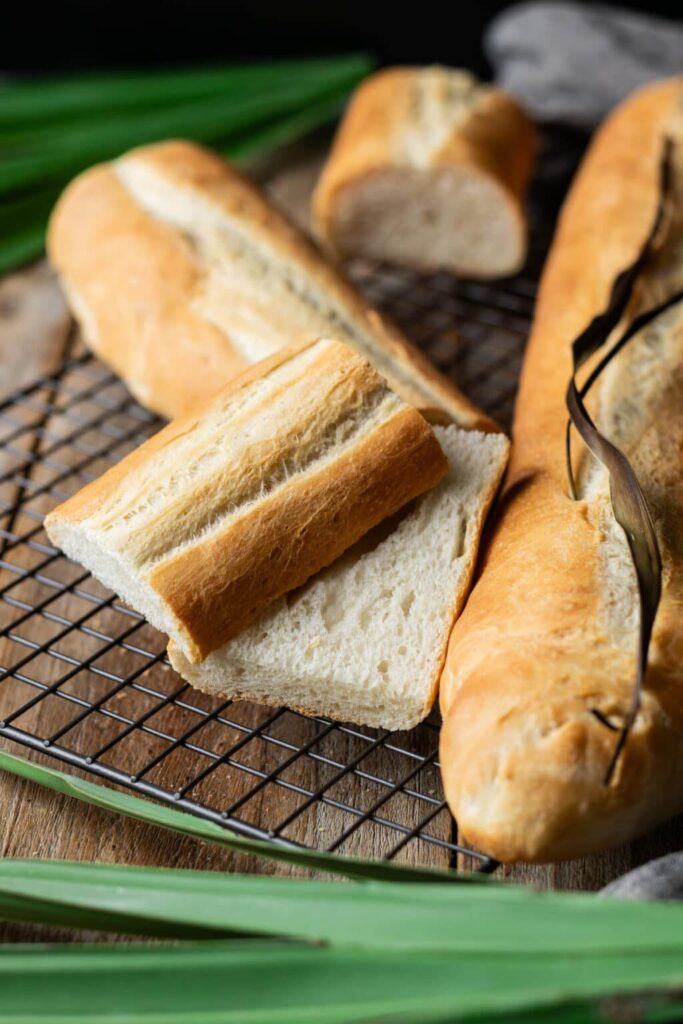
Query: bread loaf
[[181, 274], [221, 512], [547, 643], [428, 169], [364, 640]]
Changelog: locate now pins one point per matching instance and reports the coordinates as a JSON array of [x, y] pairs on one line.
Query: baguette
[[220, 513], [428, 169], [181, 274], [549, 635], [364, 640]]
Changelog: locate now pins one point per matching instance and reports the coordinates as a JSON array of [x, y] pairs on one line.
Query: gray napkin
[[571, 62], [660, 879]]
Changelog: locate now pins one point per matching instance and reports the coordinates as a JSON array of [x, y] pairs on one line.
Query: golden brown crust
[[304, 653], [138, 283], [128, 278], [537, 648], [487, 132], [290, 537], [221, 513], [268, 701], [497, 139], [90, 499], [378, 109]]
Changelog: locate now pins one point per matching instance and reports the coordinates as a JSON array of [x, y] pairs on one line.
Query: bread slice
[[428, 170], [182, 274], [220, 513], [364, 640]]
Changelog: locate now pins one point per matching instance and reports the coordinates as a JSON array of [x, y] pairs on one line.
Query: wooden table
[[35, 334]]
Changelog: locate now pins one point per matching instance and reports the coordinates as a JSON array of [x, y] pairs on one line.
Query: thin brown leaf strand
[[632, 514], [601, 326], [628, 501]]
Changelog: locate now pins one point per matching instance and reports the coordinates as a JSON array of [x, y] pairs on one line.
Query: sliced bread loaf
[[220, 513], [364, 640], [182, 274], [428, 170]]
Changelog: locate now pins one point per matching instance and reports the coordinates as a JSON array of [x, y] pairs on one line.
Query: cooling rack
[[85, 680]]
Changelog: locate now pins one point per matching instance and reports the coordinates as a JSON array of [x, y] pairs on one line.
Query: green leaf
[[198, 828], [51, 130], [282, 130], [397, 952], [22, 226], [493, 919], [186, 113], [41, 101], [267, 983], [23, 221], [202, 120]]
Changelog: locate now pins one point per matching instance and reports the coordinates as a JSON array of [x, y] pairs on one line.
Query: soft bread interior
[[118, 572], [449, 218], [260, 298], [256, 301], [364, 640], [260, 283], [254, 447]]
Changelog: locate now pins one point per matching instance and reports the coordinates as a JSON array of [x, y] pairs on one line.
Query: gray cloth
[[660, 879], [571, 63]]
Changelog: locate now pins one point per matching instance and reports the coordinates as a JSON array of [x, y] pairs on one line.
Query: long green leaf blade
[[51, 131], [265, 984], [110, 127], [40, 101], [201, 121], [372, 915], [23, 222], [178, 821]]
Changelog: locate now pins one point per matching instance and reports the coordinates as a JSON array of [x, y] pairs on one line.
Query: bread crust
[[129, 280], [548, 634], [138, 283], [220, 513], [491, 137], [245, 670]]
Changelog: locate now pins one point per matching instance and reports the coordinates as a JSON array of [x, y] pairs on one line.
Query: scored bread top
[[222, 511], [182, 273], [549, 634]]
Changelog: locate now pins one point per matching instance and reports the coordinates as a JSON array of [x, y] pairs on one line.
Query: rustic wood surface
[[35, 334]]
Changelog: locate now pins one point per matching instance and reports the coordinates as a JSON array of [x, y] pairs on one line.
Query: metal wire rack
[[85, 679]]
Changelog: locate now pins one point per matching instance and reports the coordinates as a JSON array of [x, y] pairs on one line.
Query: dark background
[[122, 33]]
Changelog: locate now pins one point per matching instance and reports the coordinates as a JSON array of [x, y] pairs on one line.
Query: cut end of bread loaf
[[524, 771], [449, 218], [116, 571], [364, 641], [428, 170]]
